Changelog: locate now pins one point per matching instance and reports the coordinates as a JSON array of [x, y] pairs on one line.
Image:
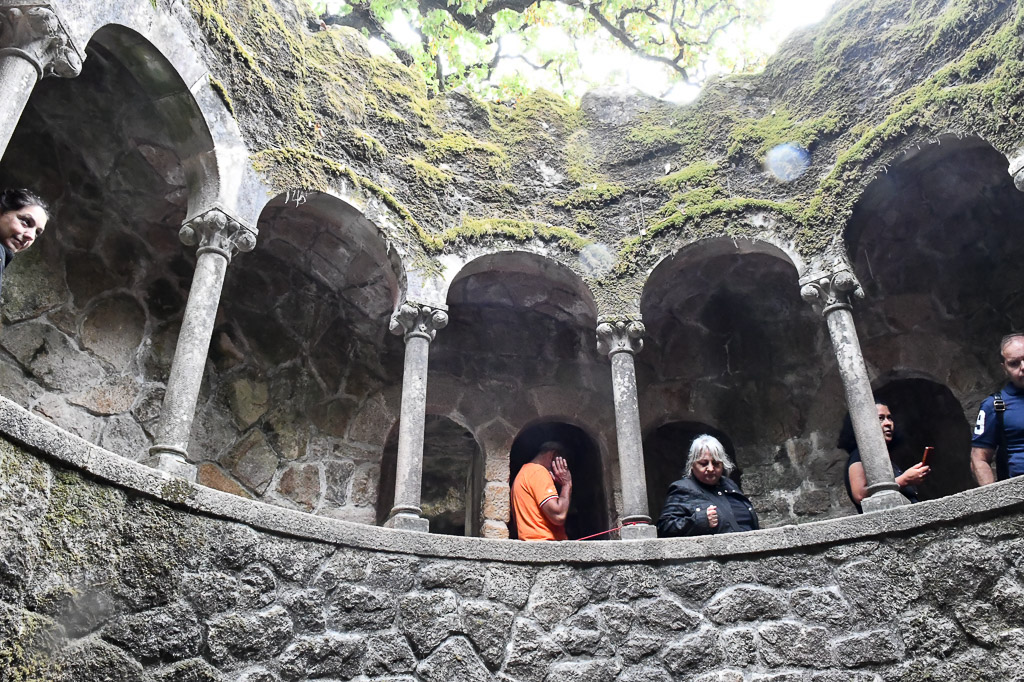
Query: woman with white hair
[[705, 501]]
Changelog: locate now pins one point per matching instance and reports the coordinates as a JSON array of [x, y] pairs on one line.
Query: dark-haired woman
[[856, 479], [23, 217]]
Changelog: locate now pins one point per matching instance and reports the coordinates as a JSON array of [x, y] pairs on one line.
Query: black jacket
[[5, 259], [686, 509]]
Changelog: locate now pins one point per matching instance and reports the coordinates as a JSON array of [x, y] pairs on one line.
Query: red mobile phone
[[927, 451]]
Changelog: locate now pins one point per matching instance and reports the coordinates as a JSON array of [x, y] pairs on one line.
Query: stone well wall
[[110, 571]]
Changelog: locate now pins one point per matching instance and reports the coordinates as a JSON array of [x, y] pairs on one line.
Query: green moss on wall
[[594, 195], [481, 229], [427, 174], [756, 137], [222, 92]]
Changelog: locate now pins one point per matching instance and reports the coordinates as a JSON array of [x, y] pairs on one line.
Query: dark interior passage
[[452, 478], [927, 413], [588, 511], [665, 453]]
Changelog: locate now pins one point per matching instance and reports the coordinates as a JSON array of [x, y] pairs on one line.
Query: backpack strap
[[1002, 456]]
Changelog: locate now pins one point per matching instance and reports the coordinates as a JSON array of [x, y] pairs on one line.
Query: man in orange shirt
[[539, 508]]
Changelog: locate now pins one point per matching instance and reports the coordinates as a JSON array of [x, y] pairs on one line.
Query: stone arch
[[935, 242], [928, 414], [452, 487], [589, 509], [216, 161], [123, 151], [665, 451], [529, 264], [730, 341], [303, 361]]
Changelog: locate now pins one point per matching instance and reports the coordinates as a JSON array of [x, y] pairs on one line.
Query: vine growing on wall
[[555, 43]]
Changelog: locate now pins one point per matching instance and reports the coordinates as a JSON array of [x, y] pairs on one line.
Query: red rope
[[611, 530]]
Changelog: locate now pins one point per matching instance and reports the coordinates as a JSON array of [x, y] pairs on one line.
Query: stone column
[[34, 43], [418, 324], [219, 238], [621, 340], [832, 295]]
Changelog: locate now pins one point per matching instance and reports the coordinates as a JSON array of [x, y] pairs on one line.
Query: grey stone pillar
[[832, 295], [621, 340], [34, 43], [219, 237], [418, 324]]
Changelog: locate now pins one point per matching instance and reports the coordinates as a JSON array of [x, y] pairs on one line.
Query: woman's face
[[885, 419], [707, 470], [20, 228]]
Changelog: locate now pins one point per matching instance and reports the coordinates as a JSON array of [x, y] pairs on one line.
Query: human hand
[[560, 471], [713, 516], [915, 474]]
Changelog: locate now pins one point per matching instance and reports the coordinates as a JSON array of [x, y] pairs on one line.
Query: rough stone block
[[328, 655], [170, 633], [693, 654], [453, 660], [428, 619], [210, 592], [820, 605], [245, 638], [92, 659], [556, 595], [745, 603], [248, 401], [253, 462], [463, 577], [740, 646], [497, 501], [358, 608], [943, 564], [695, 582], [338, 475], [496, 530], [387, 654], [300, 483], [877, 646], [113, 331], [306, 608], [530, 652], [637, 647], [192, 670], [509, 584], [928, 632], [792, 644], [488, 626], [257, 587], [666, 613]]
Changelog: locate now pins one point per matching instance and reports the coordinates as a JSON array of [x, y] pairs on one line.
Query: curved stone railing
[[112, 570]]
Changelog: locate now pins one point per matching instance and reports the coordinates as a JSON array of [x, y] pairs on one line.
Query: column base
[[171, 461], [639, 531], [417, 524], [884, 499]]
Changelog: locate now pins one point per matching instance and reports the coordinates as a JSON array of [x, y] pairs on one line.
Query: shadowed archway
[[588, 512]]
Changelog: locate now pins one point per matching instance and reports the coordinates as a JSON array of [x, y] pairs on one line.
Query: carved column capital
[[620, 336], [216, 231], [416, 320], [34, 32], [832, 291]]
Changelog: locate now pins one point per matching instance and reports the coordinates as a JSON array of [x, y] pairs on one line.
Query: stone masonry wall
[[151, 580]]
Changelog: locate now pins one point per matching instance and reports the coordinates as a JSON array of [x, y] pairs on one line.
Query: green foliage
[[460, 41]]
